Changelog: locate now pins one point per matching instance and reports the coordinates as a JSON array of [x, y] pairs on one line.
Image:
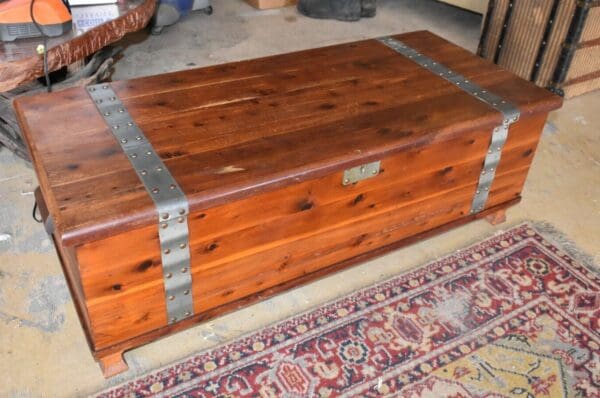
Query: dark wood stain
[[144, 318], [446, 170], [358, 199], [305, 205], [145, 266], [108, 152], [327, 106], [360, 240]]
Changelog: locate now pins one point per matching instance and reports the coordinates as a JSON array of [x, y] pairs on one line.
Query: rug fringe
[[564, 242]]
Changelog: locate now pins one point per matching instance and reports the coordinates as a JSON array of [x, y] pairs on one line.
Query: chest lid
[[229, 131]]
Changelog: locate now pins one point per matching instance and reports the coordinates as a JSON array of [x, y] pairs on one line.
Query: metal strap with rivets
[[170, 201], [510, 114]]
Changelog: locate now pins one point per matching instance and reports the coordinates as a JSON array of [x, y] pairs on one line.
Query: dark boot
[[368, 8], [343, 10]]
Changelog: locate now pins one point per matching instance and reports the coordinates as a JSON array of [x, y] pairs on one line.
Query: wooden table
[[20, 63]]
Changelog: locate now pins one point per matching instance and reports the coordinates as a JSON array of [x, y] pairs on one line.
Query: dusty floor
[[43, 351]]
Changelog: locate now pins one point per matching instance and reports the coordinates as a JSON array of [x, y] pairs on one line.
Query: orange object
[[53, 16]]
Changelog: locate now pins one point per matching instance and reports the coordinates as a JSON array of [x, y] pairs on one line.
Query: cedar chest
[[174, 198]]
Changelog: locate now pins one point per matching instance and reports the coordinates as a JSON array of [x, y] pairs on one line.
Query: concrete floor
[[43, 351]]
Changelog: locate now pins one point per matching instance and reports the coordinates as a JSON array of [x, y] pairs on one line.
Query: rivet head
[[116, 127], [121, 110], [159, 168], [171, 298], [129, 124], [105, 86], [148, 152], [181, 220], [165, 216], [478, 192], [167, 251], [164, 225], [490, 151], [98, 101], [182, 212], [113, 98], [134, 155], [483, 172], [172, 186], [155, 190], [188, 313], [182, 246], [173, 319], [92, 89], [187, 292], [139, 138], [169, 275], [374, 172], [143, 172], [106, 113], [183, 270], [124, 140], [346, 181]]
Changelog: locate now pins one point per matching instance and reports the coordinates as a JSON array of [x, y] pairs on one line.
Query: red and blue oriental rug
[[513, 316]]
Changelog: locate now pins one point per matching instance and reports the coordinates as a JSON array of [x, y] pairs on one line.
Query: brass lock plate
[[362, 172]]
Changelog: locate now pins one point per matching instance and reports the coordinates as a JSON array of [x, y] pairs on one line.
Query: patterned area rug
[[514, 316]]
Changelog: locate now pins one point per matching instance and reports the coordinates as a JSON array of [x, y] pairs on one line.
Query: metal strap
[[510, 114], [170, 201]]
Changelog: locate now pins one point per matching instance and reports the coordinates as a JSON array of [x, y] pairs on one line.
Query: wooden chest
[[174, 198], [553, 43]]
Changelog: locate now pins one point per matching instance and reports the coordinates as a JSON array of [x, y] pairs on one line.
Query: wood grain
[[119, 348], [301, 229], [278, 118]]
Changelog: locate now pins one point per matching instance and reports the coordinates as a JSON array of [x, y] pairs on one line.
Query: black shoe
[[343, 10]]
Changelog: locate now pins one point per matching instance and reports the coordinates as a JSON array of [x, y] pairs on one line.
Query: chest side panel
[[247, 246]]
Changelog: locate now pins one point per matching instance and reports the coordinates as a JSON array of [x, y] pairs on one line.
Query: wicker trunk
[[554, 43]]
